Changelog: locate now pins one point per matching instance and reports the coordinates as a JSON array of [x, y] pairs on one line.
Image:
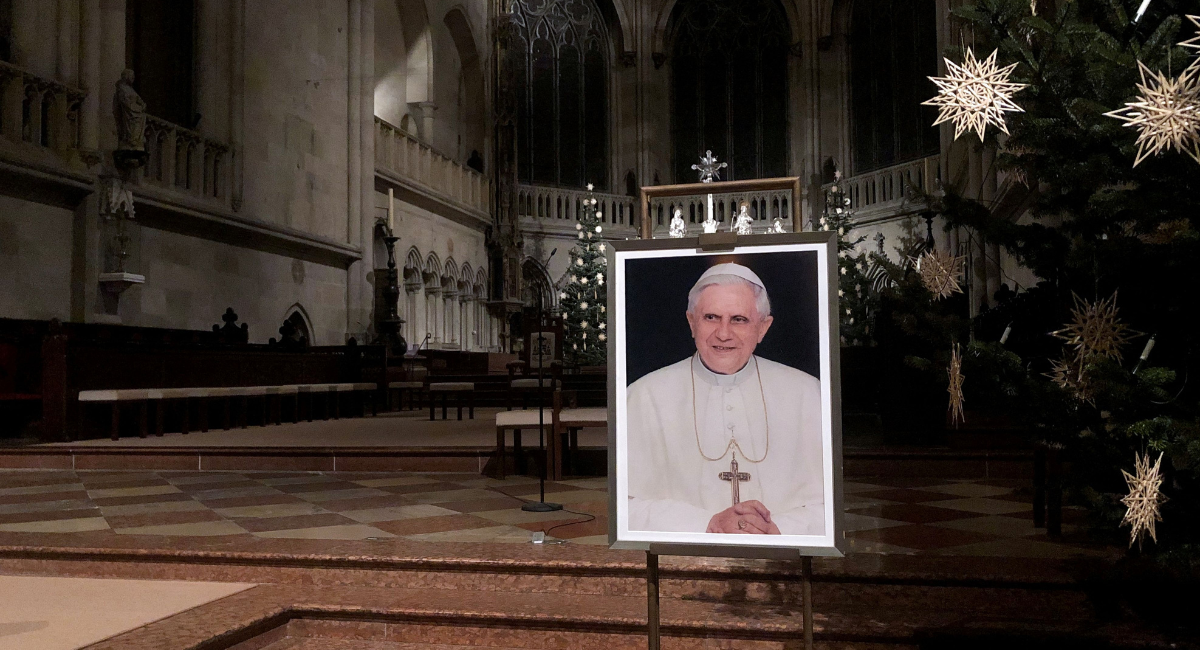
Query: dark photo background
[[656, 293]]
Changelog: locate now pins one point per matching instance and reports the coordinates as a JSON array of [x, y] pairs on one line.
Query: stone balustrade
[[549, 204], [38, 111], [407, 158], [763, 206], [886, 189], [181, 159]]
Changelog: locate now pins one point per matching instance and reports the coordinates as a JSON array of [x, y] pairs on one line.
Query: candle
[[1004, 336], [1146, 350], [391, 209]]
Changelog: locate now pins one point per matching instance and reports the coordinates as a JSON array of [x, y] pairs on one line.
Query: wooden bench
[[564, 436], [516, 421], [236, 403], [399, 389], [464, 391]]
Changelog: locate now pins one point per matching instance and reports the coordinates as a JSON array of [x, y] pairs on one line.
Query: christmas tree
[[854, 288], [1115, 244], [584, 298]]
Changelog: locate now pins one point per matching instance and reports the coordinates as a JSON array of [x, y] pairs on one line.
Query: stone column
[[68, 41], [356, 322], [112, 62], [237, 94], [89, 74], [426, 110], [366, 149]]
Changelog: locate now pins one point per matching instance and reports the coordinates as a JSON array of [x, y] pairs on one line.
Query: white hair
[[762, 302]]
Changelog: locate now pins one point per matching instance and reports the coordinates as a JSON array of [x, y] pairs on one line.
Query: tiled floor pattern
[[886, 515]]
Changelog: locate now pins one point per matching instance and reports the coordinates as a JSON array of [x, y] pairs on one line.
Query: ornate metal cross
[[734, 477], [709, 168]]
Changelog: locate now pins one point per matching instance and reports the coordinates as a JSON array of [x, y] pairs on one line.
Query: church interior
[[305, 338]]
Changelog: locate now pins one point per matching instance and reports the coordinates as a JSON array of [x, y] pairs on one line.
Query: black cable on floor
[[590, 516]]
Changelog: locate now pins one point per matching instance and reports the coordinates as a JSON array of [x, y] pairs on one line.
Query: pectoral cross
[[734, 477]]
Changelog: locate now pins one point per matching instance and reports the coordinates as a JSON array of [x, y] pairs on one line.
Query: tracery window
[[729, 86], [893, 51], [562, 111]]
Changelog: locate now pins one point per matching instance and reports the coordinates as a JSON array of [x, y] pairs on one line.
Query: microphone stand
[[541, 505]]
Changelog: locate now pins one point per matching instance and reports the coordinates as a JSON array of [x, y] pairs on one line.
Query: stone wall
[[35, 260]]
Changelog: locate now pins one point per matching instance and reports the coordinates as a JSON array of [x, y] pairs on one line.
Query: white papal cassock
[[672, 487]]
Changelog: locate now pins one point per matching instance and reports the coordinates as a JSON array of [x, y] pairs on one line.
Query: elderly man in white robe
[[725, 441]]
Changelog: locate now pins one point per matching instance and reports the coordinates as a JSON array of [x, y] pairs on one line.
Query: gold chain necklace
[[733, 439]]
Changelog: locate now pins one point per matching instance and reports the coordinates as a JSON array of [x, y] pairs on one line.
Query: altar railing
[[38, 111], [183, 160], [764, 206], [409, 159]]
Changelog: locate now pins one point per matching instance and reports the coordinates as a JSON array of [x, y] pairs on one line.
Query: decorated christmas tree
[[854, 288], [583, 299], [1103, 151]]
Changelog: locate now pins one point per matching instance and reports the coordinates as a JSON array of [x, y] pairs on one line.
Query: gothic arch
[[403, 57], [432, 271], [536, 278], [450, 272], [562, 57], [661, 38], [300, 318], [470, 92], [481, 283]]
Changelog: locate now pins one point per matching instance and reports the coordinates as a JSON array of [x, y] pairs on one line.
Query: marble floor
[[884, 515], [56, 613]]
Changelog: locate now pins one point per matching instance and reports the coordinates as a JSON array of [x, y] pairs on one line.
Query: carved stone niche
[[116, 212]]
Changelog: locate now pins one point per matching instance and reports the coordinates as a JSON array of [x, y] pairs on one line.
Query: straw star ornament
[[955, 387], [1144, 498], [1095, 330], [975, 94], [940, 272], [1167, 113], [1193, 42]]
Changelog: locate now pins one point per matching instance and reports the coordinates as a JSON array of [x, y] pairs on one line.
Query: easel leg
[[652, 601], [806, 587]]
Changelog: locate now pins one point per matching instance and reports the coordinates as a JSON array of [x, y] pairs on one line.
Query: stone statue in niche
[[129, 110]]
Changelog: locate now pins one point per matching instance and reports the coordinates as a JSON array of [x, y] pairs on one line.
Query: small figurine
[[777, 226], [710, 224], [678, 227], [743, 224]]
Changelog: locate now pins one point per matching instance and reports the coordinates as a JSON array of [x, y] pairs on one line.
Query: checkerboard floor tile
[[884, 515]]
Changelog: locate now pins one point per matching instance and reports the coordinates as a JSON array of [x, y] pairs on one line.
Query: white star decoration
[[1193, 42], [1167, 113], [1143, 499], [975, 94]]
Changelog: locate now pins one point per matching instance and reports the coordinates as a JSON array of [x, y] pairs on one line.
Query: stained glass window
[[562, 113], [729, 86], [893, 49]]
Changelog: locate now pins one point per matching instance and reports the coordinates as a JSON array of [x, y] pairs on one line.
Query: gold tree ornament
[[1166, 113], [1193, 42], [955, 387], [1144, 498], [975, 94], [940, 272], [1095, 330]]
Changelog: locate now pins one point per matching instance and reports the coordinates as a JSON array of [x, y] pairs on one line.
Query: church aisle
[[905, 516]]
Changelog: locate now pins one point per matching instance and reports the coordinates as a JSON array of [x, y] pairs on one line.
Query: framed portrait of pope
[[724, 407]]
